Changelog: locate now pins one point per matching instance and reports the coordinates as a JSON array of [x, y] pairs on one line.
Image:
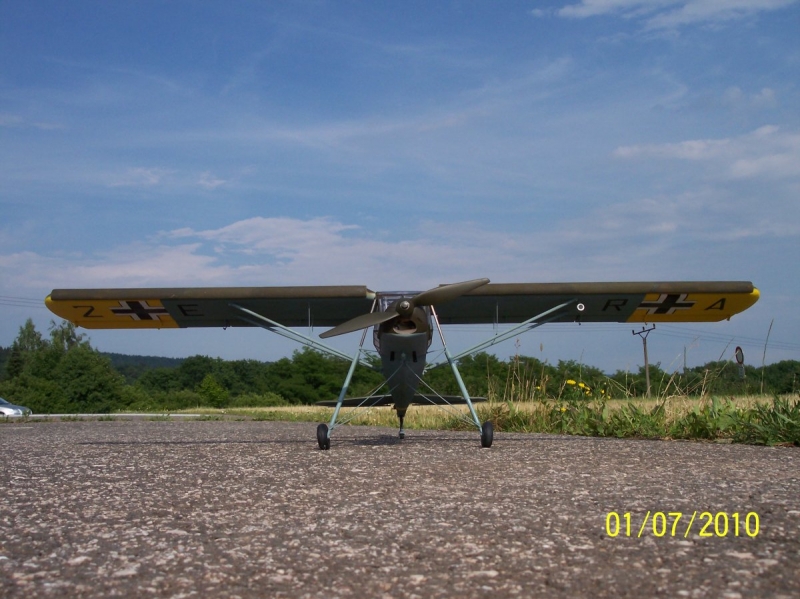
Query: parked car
[[9, 409]]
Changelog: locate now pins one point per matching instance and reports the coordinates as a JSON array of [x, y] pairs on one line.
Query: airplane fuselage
[[402, 364], [403, 347]]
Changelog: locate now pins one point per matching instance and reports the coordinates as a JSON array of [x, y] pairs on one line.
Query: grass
[[752, 419]]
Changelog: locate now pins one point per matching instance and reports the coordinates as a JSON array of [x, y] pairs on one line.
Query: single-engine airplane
[[403, 323]]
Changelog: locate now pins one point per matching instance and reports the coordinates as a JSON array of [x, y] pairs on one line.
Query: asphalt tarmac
[[254, 509]]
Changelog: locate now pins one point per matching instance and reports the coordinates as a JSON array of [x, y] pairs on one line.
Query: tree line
[[62, 373]]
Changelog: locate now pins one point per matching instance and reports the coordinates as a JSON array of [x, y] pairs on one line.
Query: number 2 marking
[[88, 313]]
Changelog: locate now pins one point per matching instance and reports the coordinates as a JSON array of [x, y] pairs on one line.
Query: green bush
[[770, 425]]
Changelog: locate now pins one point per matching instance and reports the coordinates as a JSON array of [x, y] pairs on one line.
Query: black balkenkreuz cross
[[139, 310], [667, 303]]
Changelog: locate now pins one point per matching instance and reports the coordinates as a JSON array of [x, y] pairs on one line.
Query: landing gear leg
[[402, 417], [324, 430]]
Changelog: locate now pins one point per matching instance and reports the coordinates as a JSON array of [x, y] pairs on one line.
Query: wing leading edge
[[208, 306], [687, 301], [327, 306]]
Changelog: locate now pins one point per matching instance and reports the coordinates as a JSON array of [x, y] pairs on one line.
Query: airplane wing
[[208, 306], [327, 306], [689, 301]]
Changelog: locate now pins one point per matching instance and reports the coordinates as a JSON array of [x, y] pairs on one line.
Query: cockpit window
[[386, 299]]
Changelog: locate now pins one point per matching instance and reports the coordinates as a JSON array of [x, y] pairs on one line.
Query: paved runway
[[254, 509]]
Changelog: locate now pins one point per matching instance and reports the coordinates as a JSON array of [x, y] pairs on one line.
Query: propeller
[[405, 307]]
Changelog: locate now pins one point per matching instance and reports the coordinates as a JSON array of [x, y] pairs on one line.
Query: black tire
[[487, 434], [322, 437]]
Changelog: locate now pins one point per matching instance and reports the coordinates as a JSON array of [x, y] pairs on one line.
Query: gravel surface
[[254, 509]]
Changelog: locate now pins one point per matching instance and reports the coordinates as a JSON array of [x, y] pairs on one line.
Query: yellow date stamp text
[[678, 524]]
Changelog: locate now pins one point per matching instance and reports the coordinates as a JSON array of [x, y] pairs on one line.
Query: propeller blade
[[359, 322], [445, 293], [438, 295]]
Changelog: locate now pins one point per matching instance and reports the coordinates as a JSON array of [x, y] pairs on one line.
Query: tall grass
[[528, 401]]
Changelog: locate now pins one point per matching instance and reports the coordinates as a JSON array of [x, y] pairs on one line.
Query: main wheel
[[322, 437], [487, 434]]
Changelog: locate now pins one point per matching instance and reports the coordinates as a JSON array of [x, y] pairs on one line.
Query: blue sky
[[399, 146]]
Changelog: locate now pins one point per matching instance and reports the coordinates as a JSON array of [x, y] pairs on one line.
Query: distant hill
[[147, 361], [132, 367]]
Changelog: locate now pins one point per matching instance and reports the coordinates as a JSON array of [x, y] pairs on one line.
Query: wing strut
[[257, 319], [530, 324], [459, 380], [343, 392]]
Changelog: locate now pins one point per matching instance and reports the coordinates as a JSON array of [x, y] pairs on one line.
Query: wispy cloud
[[10, 120], [152, 177], [209, 181], [139, 177], [15, 121], [666, 14]]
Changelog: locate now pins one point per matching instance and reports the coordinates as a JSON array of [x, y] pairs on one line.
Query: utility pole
[[643, 334], [684, 360]]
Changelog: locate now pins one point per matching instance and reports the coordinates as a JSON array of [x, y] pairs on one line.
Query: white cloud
[[784, 164], [139, 264], [666, 14], [695, 149], [286, 251], [621, 241], [767, 152], [765, 99], [686, 222]]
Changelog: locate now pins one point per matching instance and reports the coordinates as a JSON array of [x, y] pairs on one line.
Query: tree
[[63, 374], [193, 370], [88, 381], [159, 379], [5, 352], [215, 394], [64, 337], [28, 342]]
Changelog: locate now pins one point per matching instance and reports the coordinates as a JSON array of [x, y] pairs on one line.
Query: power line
[[21, 302], [722, 337], [665, 330]]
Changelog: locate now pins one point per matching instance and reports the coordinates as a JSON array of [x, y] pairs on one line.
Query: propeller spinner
[[404, 308]]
